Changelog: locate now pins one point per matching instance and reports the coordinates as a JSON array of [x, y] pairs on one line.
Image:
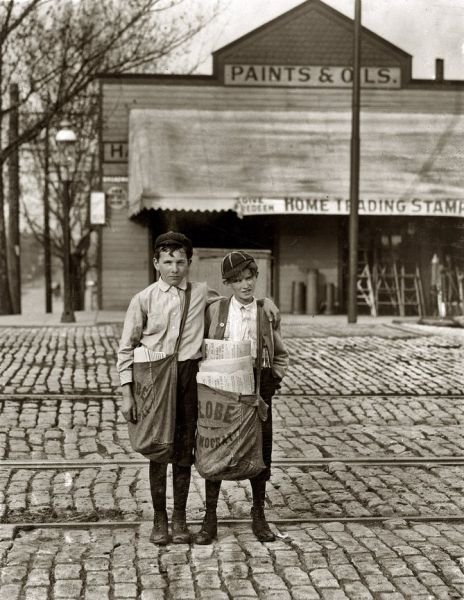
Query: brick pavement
[[376, 365], [113, 492], [353, 390], [43, 360], [91, 428], [81, 360], [329, 561]]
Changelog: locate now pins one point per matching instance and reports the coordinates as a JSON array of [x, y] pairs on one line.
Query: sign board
[[115, 152], [313, 205], [310, 76], [97, 208], [117, 197]]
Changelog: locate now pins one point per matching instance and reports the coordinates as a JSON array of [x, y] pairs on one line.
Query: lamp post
[[66, 141]]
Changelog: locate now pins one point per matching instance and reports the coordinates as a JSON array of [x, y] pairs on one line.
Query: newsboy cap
[[174, 238], [235, 262]]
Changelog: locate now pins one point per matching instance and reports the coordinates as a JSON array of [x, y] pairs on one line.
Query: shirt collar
[[238, 305], [165, 286]]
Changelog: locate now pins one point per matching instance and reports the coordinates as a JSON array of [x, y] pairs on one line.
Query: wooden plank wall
[[119, 98], [125, 261]]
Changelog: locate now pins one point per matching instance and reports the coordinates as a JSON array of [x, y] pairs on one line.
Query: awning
[[222, 160]]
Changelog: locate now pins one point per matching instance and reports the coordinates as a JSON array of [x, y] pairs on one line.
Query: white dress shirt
[[242, 323], [153, 320]]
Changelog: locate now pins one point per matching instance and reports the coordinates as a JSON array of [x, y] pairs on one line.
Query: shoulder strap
[[259, 344], [188, 293], [222, 318]]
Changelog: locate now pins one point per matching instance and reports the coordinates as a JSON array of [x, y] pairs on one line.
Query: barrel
[[298, 297], [311, 292]]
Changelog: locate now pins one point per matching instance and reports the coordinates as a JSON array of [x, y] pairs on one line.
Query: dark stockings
[[258, 487], [158, 485], [212, 489], [180, 486]]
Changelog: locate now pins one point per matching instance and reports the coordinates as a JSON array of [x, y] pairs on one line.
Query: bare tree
[[11, 23], [45, 171], [55, 50]]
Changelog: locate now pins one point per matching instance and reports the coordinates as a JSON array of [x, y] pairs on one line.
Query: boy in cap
[[152, 321], [236, 319]]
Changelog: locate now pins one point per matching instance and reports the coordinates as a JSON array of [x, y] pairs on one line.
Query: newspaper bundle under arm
[[228, 366], [144, 354]]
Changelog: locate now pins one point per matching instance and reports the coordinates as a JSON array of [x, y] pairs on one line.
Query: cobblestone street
[[338, 490], [366, 494], [80, 360]]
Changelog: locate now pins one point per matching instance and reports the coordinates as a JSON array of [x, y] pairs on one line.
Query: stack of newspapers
[[227, 366]]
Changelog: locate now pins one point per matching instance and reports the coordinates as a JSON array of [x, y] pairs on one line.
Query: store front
[[257, 157], [407, 259]]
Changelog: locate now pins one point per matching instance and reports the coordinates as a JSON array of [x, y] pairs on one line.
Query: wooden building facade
[[257, 156]]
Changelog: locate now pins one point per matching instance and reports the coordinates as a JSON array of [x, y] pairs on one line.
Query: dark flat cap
[[235, 262], [174, 238]]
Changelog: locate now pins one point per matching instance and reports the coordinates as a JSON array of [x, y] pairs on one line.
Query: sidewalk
[[293, 326], [42, 319], [34, 315]]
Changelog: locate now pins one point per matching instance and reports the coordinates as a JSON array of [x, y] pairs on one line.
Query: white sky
[[426, 29]]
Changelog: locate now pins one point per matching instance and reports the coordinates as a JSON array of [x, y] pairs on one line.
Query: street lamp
[[66, 142]]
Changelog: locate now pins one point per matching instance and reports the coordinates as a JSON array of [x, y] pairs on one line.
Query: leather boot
[[260, 526], [159, 533], [208, 531], [180, 532]]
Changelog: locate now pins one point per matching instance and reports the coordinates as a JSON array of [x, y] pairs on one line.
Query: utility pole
[[14, 240], [354, 169]]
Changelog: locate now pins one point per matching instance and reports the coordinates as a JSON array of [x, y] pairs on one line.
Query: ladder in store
[[387, 287], [411, 293], [391, 286], [365, 286]]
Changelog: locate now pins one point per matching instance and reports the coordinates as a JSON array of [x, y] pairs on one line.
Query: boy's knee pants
[[186, 413]]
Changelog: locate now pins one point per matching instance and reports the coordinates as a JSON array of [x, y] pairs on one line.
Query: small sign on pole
[[97, 208]]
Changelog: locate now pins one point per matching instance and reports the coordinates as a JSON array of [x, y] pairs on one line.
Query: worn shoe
[[260, 526], [180, 532], [208, 531], [159, 533]]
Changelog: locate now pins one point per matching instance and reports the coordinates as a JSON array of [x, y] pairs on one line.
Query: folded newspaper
[[227, 366], [215, 349], [144, 354]]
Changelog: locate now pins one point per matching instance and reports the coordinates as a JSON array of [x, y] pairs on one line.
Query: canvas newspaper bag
[[155, 390], [229, 431]]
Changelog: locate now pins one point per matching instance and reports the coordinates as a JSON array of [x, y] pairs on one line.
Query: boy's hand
[[128, 408], [277, 383], [271, 311]]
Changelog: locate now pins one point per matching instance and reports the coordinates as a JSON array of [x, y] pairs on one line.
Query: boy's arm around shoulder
[[212, 296]]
